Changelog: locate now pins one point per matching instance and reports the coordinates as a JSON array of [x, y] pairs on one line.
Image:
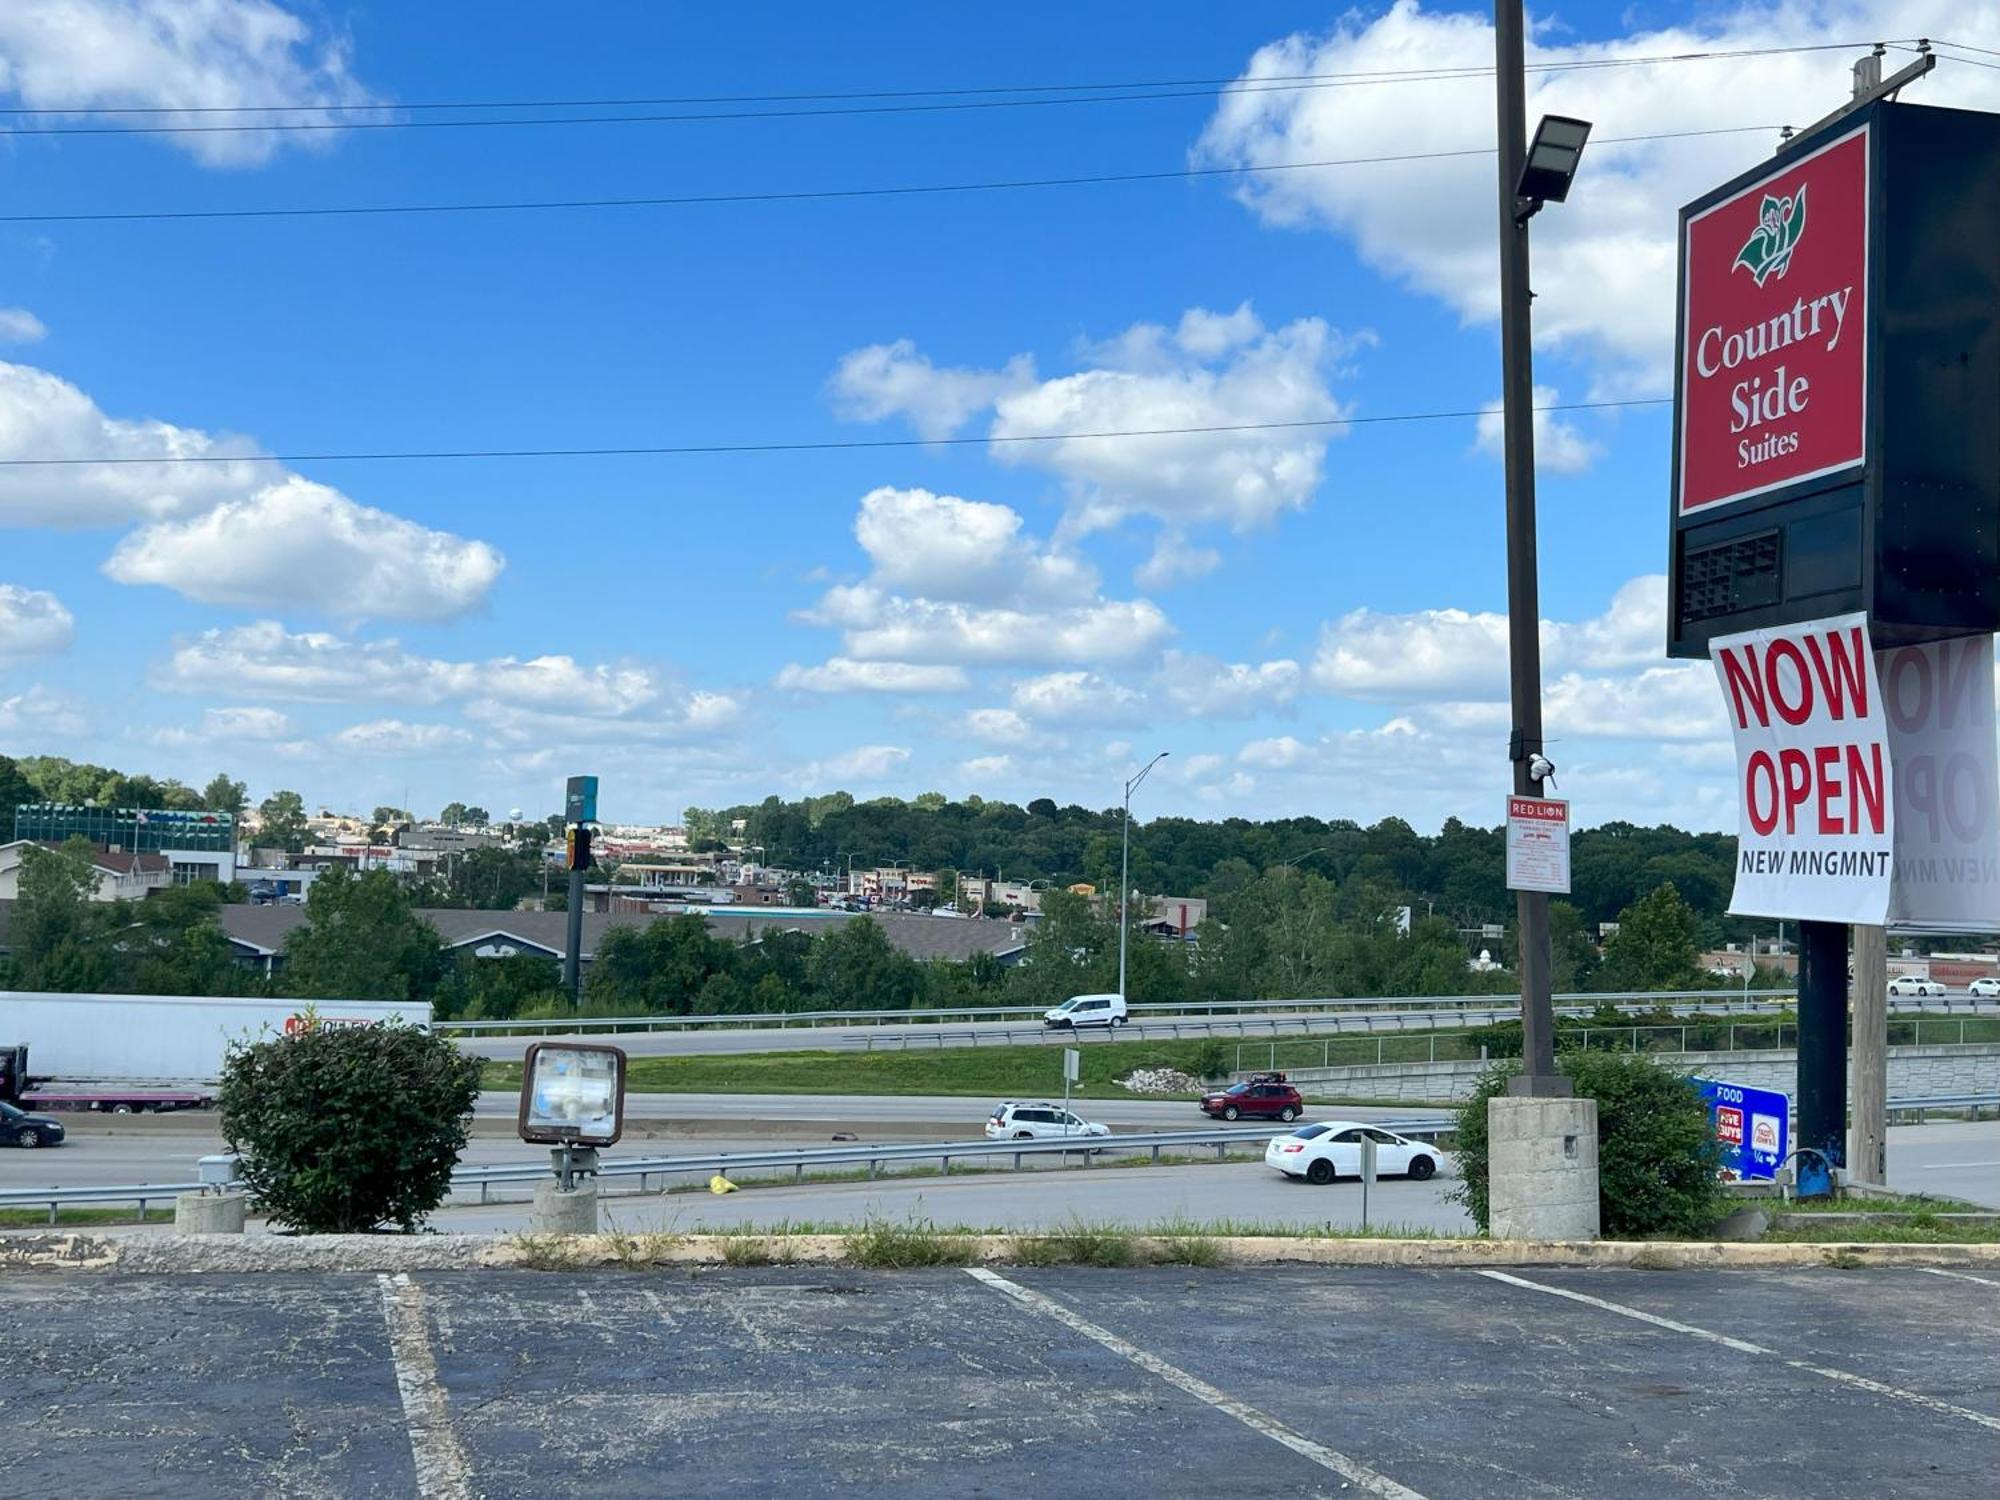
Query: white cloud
[[1078, 698], [19, 326], [1444, 653], [300, 544], [1610, 249], [37, 714], [1560, 447], [1215, 370], [864, 763], [841, 674], [984, 770], [956, 583], [179, 55], [395, 737], [556, 698], [246, 724], [1273, 754], [997, 726], [1202, 687], [44, 416], [33, 623], [1175, 560], [886, 380]]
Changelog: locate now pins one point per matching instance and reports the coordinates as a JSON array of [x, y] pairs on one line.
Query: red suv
[[1265, 1096]]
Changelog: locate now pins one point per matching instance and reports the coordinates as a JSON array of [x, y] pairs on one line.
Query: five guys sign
[[1774, 304]]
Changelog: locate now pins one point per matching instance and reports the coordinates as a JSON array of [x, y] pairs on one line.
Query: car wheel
[[121, 1109], [1119, 1020], [1231, 1113], [1024, 1135], [1422, 1168], [1288, 1114], [1320, 1172], [29, 1139]]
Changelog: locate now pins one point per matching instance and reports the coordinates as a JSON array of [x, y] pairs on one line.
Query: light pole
[[1125, 869], [1529, 177], [1286, 864]]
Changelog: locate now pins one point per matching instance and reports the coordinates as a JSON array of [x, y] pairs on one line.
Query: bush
[[344, 1128], [1657, 1160], [1211, 1060]]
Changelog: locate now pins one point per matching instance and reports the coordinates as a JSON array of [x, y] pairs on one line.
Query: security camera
[[1541, 768]]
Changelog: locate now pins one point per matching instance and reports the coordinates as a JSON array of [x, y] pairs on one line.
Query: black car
[[19, 1128]]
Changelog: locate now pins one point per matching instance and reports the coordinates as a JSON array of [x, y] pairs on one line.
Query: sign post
[[1368, 1159], [579, 816], [1072, 1072]]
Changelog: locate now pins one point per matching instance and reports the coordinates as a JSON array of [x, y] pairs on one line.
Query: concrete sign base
[[1542, 1168], [571, 1212], [209, 1213]]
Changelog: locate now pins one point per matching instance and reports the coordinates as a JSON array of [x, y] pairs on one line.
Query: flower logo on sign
[[1780, 223]]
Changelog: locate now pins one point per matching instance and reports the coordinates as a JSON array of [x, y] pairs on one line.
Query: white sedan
[[1910, 984], [1331, 1150], [1985, 988]]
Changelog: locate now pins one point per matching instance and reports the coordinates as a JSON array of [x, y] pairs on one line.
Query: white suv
[[1035, 1122], [1087, 1010], [1909, 984]]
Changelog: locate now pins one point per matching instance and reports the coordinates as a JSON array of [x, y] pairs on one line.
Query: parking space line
[[1352, 1470], [1958, 1275], [441, 1468], [1744, 1346]]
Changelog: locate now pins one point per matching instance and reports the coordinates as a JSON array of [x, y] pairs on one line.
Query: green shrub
[[1211, 1060], [345, 1128], [1657, 1158]]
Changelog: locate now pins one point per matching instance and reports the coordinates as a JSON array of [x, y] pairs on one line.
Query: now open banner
[[1815, 808], [1942, 750]]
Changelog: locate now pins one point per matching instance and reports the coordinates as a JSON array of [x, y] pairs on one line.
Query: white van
[[1088, 1010]]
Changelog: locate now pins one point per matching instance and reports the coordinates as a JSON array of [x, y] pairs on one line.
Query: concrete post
[[209, 1213], [1868, 1063], [565, 1212], [1541, 1167]]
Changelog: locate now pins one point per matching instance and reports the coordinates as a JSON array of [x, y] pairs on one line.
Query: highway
[[708, 1041]]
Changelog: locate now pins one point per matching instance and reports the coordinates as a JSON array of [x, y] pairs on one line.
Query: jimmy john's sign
[[1836, 383]]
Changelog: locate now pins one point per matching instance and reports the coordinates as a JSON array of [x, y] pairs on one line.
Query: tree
[[856, 967], [344, 1128], [59, 936], [451, 817], [282, 821], [389, 817], [172, 943], [225, 796], [799, 892], [1654, 947], [361, 941]]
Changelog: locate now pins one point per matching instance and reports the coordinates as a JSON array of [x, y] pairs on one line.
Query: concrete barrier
[[210, 1213]]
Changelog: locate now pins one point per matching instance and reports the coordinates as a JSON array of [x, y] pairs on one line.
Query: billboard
[[1774, 305]]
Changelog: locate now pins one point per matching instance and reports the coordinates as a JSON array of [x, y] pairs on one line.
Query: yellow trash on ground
[[720, 1184]]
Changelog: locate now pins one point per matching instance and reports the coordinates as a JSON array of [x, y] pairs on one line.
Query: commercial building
[[197, 845]]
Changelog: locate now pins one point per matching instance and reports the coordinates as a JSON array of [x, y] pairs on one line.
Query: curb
[[166, 1254]]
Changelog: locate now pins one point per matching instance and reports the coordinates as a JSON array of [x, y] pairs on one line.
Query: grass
[[30, 1218], [1902, 1203], [883, 1246]]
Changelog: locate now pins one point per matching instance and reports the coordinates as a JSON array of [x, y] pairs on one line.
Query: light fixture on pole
[[1553, 157], [1125, 868]]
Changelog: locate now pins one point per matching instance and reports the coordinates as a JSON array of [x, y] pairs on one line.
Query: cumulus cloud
[[1175, 560], [180, 55], [395, 737], [997, 726], [1610, 249], [33, 623], [984, 770], [297, 543], [841, 674], [1213, 370], [1560, 447], [886, 380], [1446, 653], [1202, 687], [36, 715], [957, 583], [1078, 698], [864, 763], [246, 724], [1273, 754], [19, 326], [512, 699]]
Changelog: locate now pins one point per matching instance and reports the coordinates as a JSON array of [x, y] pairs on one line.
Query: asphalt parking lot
[[1287, 1381]]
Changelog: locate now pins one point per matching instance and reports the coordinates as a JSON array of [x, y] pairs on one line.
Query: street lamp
[[1553, 157], [1125, 868], [1286, 864]]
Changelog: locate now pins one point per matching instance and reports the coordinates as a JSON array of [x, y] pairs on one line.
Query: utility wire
[[827, 445], [1238, 80], [812, 194], [951, 100]]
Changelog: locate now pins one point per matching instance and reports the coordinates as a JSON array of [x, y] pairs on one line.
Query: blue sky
[[1309, 619]]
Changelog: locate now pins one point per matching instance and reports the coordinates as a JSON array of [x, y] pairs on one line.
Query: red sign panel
[[1773, 376]]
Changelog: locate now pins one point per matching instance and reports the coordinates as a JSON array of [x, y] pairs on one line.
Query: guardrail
[[1972, 1103], [801, 1160], [757, 1020]]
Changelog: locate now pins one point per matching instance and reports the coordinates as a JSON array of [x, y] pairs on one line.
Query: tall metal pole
[[1125, 869], [1524, 611], [573, 945]]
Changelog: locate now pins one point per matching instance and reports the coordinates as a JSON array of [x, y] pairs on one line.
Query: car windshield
[[1311, 1131], [1237, 1088], [8, 1112]]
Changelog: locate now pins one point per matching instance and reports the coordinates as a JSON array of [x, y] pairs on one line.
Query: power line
[[827, 445], [949, 103], [812, 194], [1237, 80]]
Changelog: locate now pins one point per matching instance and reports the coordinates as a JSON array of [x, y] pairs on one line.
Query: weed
[[1184, 1244], [644, 1250], [1845, 1260], [547, 1252], [1653, 1260], [883, 1246], [1078, 1244]]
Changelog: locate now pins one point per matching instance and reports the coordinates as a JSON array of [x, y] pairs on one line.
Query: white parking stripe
[[440, 1462], [1744, 1346], [1352, 1470], [1958, 1275]]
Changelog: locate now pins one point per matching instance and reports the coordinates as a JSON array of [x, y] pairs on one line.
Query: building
[[891, 885], [120, 875], [978, 894], [199, 845]]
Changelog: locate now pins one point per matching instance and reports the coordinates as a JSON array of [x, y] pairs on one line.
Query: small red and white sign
[[1729, 1124], [1774, 297], [1538, 845], [1815, 814]]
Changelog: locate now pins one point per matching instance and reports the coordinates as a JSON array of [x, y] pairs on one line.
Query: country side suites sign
[[1773, 357]]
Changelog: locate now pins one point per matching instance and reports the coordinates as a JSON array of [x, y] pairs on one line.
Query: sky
[[1309, 618]]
